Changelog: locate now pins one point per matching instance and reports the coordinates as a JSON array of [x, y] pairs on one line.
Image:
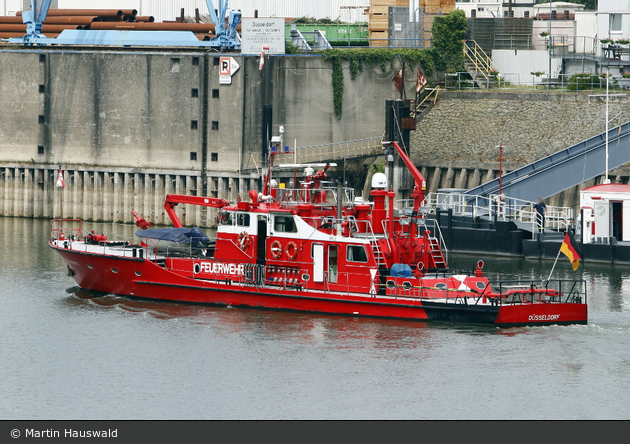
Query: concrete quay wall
[[129, 126]]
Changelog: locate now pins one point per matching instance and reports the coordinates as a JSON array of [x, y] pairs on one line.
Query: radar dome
[[379, 180]]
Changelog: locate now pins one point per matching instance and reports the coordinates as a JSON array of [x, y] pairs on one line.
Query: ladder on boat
[[378, 254], [436, 253]]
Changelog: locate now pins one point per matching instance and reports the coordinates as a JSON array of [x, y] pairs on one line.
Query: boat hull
[[137, 277]]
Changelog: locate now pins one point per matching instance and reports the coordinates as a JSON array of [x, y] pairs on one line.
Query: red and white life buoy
[[291, 251], [276, 249], [244, 240]]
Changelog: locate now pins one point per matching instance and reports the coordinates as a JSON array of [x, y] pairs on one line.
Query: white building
[[613, 19], [606, 213], [519, 9]]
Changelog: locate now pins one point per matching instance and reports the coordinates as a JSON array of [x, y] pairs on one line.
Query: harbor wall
[[127, 126]]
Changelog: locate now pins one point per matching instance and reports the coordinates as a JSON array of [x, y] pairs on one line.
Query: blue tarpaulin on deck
[[179, 235]]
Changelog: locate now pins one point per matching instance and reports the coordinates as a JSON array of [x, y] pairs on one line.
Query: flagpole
[[554, 265]]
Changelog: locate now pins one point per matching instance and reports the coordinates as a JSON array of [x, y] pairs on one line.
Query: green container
[[338, 35]]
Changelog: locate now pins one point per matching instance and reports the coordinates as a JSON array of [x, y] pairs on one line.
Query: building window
[[615, 22], [40, 119], [42, 58], [193, 155], [473, 13], [40, 149], [215, 93], [42, 89], [193, 124], [174, 65], [194, 92], [214, 157], [215, 61], [195, 61], [526, 14], [215, 125]]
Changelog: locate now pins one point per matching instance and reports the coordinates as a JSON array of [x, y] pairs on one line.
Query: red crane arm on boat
[[421, 183], [173, 199]]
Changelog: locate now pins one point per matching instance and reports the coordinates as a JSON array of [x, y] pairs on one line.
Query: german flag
[[570, 249]]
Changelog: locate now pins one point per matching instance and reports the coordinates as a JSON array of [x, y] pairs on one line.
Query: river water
[[70, 354]]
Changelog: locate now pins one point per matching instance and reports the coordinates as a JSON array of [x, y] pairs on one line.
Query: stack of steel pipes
[[58, 20]]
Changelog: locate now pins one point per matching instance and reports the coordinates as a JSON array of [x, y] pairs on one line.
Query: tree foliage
[[358, 58], [448, 33]]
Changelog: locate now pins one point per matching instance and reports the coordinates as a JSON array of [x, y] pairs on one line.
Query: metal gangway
[[493, 207], [562, 170]]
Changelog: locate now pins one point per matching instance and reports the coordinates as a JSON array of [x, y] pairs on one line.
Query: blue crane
[[34, 19]]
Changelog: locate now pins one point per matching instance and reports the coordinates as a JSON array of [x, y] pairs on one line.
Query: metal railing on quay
[[504, 209], [541, 83], [333, 151]]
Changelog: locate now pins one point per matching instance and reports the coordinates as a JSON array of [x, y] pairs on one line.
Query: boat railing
[[325, 196], [495, 293], [66, 229]]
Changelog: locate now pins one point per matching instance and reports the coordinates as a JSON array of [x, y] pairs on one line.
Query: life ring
[[244, 240], [276, 249], [291, 251], [62, 236]]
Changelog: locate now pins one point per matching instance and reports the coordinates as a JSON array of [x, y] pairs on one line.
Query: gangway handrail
[[560, 158]]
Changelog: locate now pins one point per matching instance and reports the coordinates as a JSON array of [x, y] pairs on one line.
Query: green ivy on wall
[[358, 58]]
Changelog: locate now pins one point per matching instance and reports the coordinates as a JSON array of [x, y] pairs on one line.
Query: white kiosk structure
[[605, 213]]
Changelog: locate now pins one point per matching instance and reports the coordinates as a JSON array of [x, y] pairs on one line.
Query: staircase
[[436, 254], [428, 101], [479, 65], [378, 254]]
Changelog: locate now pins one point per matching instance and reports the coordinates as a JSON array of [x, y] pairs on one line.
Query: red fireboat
[[314, 248]]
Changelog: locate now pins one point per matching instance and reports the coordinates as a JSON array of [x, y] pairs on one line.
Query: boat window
[[481, 285], [356, 253], [226, 218], [284, 224], [242, 220], [441, 286]]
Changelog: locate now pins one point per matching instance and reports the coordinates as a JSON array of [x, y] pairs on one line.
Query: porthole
[[441, 286], [114, 270], [138, 273], [481, 285], [406, 285], [391, 284], [90, 267]]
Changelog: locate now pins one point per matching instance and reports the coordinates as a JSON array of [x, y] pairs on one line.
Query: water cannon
[[141, 222]]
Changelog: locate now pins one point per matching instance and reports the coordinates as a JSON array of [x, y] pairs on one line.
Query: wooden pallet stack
[[379, 18]]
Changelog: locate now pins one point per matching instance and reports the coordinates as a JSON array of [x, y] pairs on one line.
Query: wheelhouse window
[[284, 224], [242, 219], [226, 218], [356, 253]]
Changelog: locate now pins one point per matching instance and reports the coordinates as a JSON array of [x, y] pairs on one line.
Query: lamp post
[[607, 180]]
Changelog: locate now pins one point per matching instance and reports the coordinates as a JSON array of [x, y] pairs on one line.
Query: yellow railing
[[432, 96], [474, 53]]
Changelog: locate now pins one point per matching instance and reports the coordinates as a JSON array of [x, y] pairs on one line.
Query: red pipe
[[194, 27], [84, 12], [79, 20], [46, 28]]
